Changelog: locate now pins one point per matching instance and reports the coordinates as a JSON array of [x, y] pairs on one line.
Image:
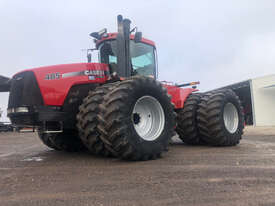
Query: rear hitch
[[52, 127]]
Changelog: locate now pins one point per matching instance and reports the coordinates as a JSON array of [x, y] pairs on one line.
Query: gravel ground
[[32, 174]]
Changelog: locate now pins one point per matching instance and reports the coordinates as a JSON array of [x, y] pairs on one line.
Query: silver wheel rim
[[148, 118], [231, 117]]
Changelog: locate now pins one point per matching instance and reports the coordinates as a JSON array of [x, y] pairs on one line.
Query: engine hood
[[55, 81], [64, 69]]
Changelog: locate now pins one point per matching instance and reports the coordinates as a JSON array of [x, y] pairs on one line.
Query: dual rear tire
[[221, 118], [187, 127], [212, 118]]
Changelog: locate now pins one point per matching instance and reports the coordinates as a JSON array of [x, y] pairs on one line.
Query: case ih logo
[[94, 72]]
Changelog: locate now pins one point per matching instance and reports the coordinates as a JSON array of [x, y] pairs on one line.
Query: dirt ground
[[32, 174]]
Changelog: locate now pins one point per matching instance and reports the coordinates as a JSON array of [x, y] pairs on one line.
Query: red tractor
[[117, 107]]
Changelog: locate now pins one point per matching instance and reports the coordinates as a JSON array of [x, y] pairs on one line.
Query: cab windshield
[[142, 57]]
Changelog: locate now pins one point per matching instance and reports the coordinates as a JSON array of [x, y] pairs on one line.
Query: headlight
[[18, 110], [21, 109]]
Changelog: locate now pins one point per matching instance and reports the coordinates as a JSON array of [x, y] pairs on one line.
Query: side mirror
[[89, 57], [138, 37], [95, 35]]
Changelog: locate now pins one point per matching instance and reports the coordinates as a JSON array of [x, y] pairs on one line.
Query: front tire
[[66, 141], [137, 119], [87, 121]]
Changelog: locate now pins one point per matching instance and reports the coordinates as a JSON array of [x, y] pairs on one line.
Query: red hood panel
[[55, 81]]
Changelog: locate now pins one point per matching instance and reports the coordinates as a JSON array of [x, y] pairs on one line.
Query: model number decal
[[52, 76], [96, 73]]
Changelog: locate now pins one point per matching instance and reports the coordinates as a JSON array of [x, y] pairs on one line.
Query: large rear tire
[[87, 121], [187, 126], [202, 116], [137, 119], [66, 141], [221, 119]]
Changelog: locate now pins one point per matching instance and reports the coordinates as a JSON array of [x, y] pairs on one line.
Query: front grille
[[24, 91]]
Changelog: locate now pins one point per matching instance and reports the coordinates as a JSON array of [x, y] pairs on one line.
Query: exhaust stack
[[123, 47]]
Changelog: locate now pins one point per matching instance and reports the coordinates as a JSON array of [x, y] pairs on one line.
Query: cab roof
[[111, 36]]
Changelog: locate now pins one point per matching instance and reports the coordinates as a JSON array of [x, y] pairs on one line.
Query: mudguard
[[179, 95]]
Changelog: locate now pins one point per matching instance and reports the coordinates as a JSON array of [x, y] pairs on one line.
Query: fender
[[179, 95], [73, 100]]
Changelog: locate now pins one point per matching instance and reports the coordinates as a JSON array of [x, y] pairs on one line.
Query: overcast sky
[[217, 42]]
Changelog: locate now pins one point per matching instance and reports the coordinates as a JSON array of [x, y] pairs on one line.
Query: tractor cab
[[142, 55], [138, 56]]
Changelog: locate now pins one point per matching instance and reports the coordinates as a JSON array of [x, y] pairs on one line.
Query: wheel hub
[[136, 118], [231, 117], [148, 118]]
